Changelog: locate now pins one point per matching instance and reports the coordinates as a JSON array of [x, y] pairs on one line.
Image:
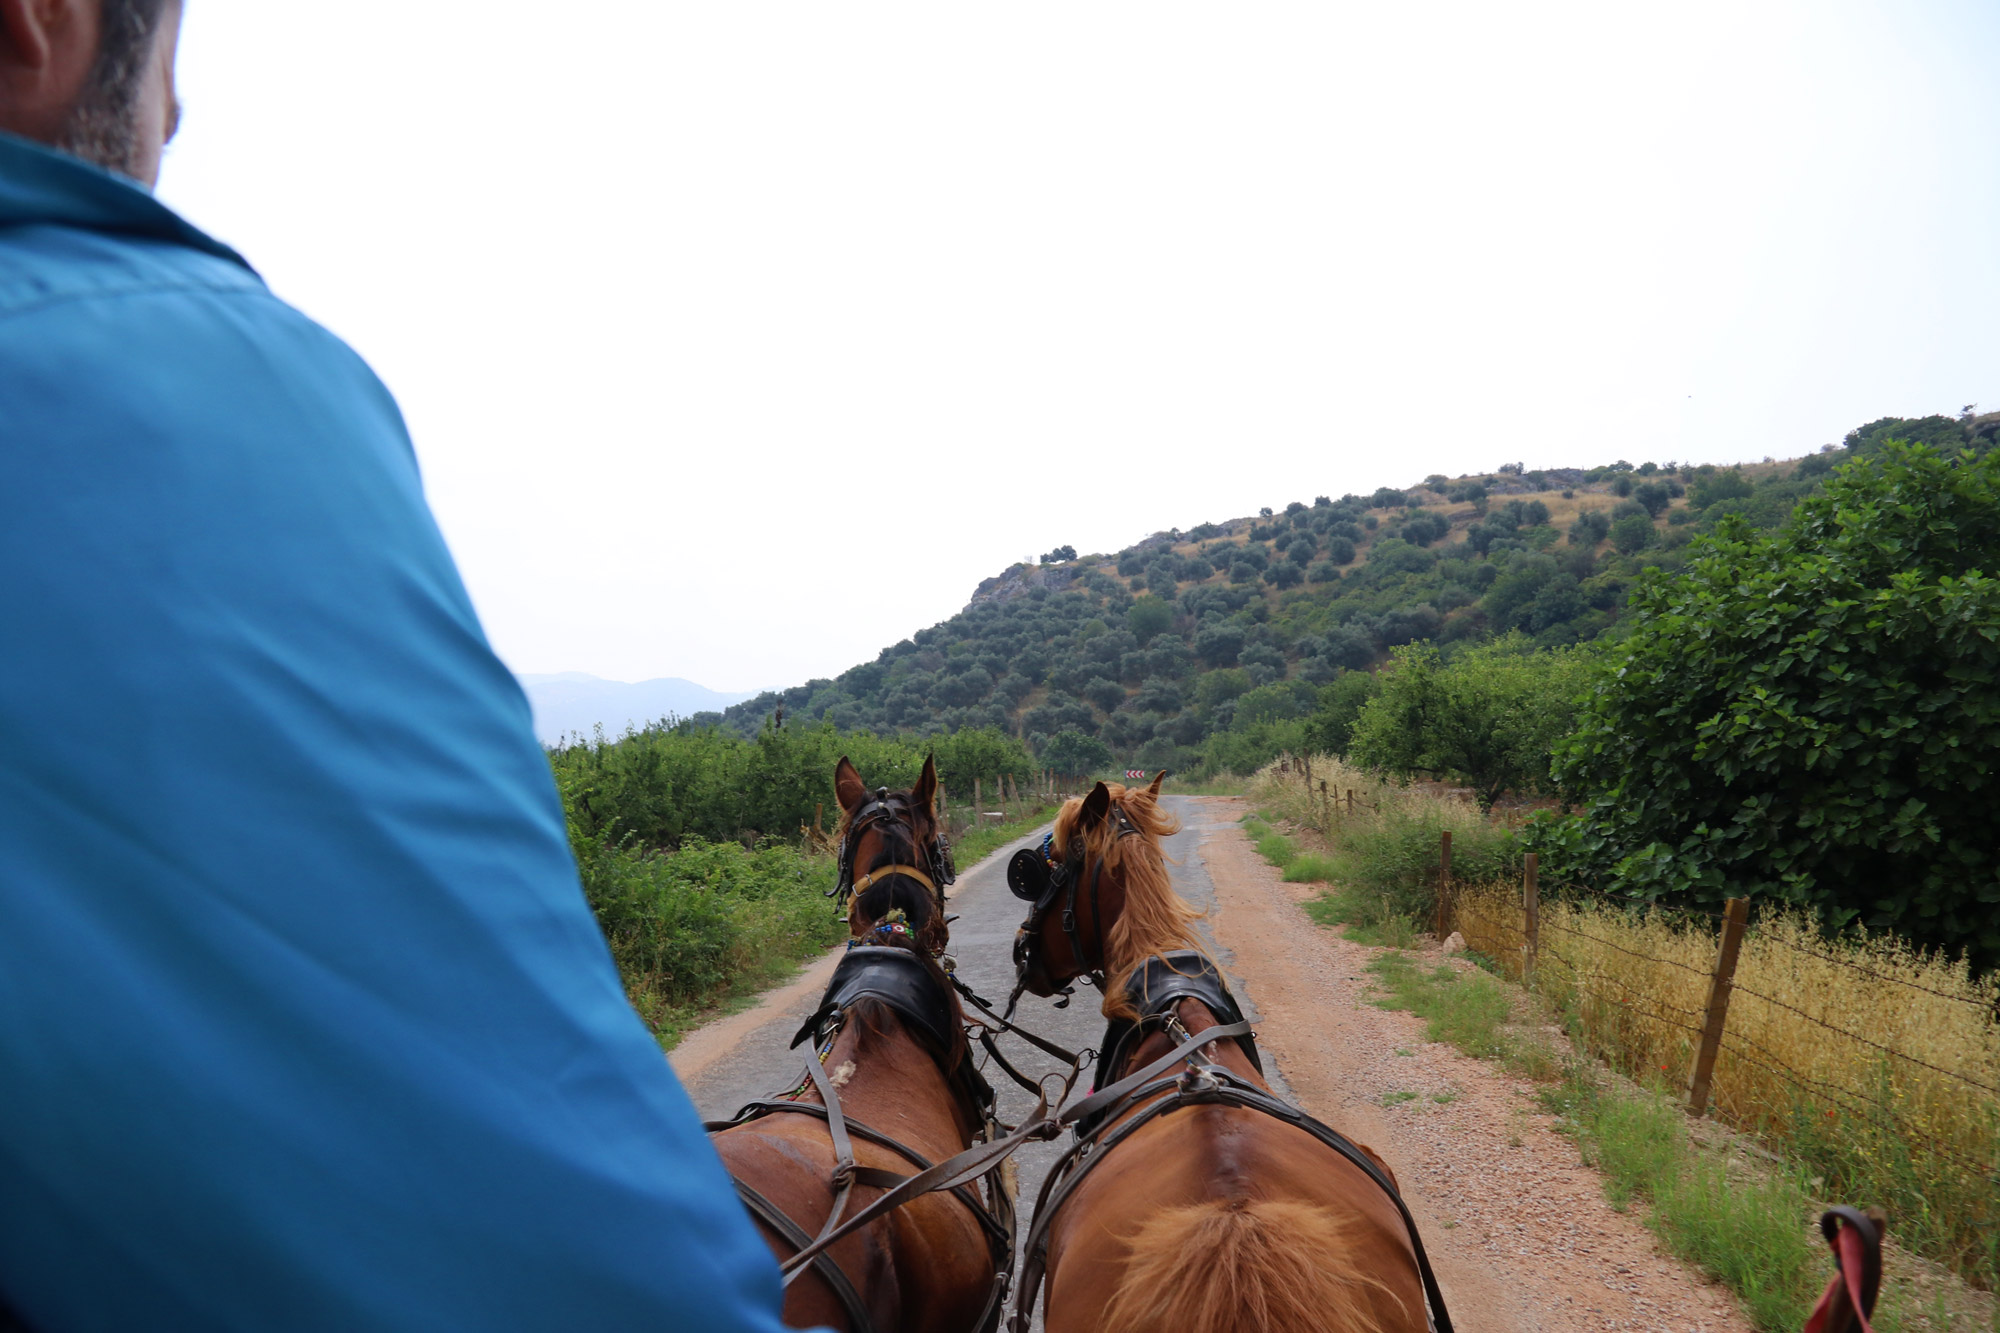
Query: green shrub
[[1632, 534], [690, 927], [1489, 717], [1811, 715]]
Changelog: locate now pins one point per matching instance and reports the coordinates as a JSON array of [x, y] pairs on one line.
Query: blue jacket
[[304, 1022]]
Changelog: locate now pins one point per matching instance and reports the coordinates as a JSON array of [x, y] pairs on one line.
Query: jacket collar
[[39, 185]]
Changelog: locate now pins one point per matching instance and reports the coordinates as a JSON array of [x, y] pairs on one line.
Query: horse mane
[[1271, 1264], [1156, 920]]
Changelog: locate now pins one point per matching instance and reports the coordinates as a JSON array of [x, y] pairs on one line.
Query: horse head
[[894, 859], [1100, 898]]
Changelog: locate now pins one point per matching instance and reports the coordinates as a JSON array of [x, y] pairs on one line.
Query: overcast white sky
[[741, 340]]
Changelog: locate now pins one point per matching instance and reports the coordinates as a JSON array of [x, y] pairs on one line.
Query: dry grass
[[1802, 1063]]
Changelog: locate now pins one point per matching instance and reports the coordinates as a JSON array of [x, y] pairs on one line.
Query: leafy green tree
[[1729, 484], [1490, 718], [1813, 715], [1590, 528], [1331, 725], [1149, 616], [1632, 534], [1076, 755], [1106, 694]]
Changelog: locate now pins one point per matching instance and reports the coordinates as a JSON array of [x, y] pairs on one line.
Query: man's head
[[92, 77]]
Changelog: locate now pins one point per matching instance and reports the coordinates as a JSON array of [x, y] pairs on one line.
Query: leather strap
[[843, 1157], [1098, 1101], [888, 872], [758, 1109], [951, 1173], [794, 1235], [1042, 1044]]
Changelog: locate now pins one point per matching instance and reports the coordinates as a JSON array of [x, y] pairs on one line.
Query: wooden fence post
[[1350, 801], [978, 805], [1733, 920], [1444, 885], [1326, 805], [1531, 902]]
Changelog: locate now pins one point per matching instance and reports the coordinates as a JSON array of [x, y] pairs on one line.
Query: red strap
[[1848, 1255]]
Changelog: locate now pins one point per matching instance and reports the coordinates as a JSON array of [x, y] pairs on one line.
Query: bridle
[[884, 812], [1036, 877]]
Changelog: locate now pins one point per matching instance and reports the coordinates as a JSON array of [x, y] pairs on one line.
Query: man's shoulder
[[47, 267]]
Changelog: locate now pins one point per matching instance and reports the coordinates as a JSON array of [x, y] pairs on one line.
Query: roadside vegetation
[[707, 858]]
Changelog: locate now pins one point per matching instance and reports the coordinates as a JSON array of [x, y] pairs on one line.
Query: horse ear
[[1157, 779], [847, 785], [925, 792], [1095, 807]]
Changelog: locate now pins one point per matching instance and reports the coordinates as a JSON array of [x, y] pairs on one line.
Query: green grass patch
[[1397, 1098], [1746, 1228], [1363, 918], [1309, 868], [1469, 1012]]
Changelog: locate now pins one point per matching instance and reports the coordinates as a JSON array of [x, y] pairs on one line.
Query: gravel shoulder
[[1516, 1223]]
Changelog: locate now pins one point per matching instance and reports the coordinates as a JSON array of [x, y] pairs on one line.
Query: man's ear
[[848, 788], [1157, 779], [24, 34], [925, 792], [1095, 807]]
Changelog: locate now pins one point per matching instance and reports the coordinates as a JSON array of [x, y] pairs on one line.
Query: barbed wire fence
[[1943, 1122]]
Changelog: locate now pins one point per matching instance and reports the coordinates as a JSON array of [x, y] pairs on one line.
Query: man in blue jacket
[[304, 1022]]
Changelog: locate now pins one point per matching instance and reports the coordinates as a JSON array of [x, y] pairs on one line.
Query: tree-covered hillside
[[1203, 649]]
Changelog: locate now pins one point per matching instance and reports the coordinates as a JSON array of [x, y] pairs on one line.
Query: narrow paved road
[[738, 1059]]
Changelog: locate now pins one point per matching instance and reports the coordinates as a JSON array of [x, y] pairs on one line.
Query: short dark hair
[[100, 127]]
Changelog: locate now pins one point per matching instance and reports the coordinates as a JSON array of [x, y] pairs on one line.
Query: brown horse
[[1204, 1213], [889, 1038]]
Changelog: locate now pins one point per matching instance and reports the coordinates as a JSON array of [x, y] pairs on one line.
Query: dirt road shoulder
[[1515, 1222]]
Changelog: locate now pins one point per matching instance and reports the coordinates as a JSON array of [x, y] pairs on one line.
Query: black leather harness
[[1156, 991], [899, 979]]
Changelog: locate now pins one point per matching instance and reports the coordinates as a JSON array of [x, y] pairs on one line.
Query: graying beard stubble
[[103, 126]]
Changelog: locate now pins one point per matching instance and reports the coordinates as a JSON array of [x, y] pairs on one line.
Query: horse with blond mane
[[1193, 1199]]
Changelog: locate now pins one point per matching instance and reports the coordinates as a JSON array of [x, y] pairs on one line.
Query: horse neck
[[895, 1081]]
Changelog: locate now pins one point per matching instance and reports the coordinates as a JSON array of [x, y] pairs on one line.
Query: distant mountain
[[571, 702]]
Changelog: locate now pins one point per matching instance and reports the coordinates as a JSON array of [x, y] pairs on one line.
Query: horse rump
[[1248, 1266]]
